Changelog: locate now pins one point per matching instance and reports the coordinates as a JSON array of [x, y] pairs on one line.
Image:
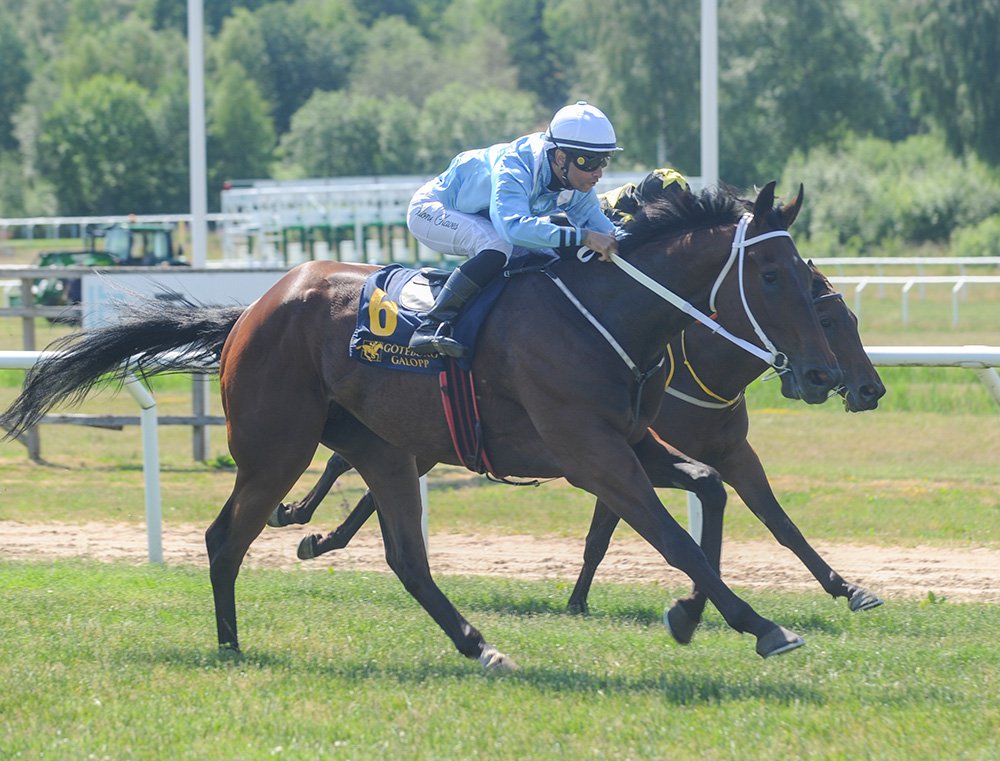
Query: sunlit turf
[[108, 660]]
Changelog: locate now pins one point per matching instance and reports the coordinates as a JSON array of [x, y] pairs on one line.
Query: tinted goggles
[[589, 162]]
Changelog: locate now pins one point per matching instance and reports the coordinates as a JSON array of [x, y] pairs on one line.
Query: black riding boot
[[434, 333], [464, 284]]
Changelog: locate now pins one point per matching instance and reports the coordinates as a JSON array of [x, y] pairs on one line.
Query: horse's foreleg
[[314, 545], [393, 478], [602, 526], [616, 476], [745, 473], [668, 468], [301, 512]]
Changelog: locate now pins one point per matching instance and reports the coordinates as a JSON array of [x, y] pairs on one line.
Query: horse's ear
[[790, 211], [765, 201]]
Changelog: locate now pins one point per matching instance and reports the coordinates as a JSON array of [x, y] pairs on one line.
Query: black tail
[[139, 343]]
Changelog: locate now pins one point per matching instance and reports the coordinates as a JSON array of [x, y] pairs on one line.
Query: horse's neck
[[642, 321], [707, 364]]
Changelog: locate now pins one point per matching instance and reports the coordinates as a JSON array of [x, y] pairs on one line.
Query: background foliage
[[887, 109]]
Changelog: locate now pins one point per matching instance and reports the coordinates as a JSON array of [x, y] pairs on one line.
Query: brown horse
[[553, 400], [703, 414]]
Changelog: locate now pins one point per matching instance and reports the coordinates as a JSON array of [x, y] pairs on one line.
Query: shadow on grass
[[678, 688]]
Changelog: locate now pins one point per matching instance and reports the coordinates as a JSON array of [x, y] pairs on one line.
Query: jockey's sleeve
[[585, 210], [511, 212]]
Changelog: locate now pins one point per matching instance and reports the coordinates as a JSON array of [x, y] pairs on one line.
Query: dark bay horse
[[704, 415], [553, 400]]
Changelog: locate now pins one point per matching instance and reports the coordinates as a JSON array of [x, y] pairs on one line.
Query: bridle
[[769, 354]]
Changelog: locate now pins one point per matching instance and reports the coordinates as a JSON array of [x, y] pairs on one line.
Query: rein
[[776, 359]]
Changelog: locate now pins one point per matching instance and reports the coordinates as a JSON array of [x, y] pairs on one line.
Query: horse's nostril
[[818, 378], [871, 392]]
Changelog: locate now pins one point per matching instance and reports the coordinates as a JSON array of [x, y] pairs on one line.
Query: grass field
[[103, 661]]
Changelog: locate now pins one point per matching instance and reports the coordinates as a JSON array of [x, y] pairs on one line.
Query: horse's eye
[[826, 322], [769, 277]]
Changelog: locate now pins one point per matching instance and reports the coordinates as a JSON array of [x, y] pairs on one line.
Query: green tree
[[397, 60], [636, 60], [951, 54], [459, 117], [99, 149], [168, 112], [131, 49], [337, 134], [14, 80], [521, 23], [240, 134], [790, 80], [290, 51]]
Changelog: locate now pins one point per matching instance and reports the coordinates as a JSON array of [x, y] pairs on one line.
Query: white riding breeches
[[451, 232]]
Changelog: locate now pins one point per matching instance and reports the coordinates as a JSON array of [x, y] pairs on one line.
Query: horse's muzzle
[[811, 385]]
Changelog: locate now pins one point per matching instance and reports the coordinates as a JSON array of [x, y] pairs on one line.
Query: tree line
[[93, 93]]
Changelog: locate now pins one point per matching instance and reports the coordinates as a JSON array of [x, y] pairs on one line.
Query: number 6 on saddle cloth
[[394, 296]]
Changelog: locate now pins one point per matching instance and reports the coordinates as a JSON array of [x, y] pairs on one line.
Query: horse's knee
[[707, 485]]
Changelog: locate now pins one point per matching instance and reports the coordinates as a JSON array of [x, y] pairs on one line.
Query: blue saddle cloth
[[393, 297]]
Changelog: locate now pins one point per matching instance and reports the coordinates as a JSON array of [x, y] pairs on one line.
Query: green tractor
[[119, 244]]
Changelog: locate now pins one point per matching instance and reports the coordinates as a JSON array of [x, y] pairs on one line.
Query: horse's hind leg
[[602, 526], [314, 545], [393, 478], [301, 512], [266, 469]]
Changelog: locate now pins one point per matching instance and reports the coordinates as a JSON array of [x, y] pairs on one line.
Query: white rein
[[770, 354]]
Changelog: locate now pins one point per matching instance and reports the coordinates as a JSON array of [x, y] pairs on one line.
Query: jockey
[[492, 199], [621, 204]]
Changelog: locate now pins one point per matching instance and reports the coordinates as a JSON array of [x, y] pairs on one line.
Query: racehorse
[[552, 398], [704, 415]]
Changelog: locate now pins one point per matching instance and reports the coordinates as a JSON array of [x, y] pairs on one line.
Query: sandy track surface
[[963, 574]]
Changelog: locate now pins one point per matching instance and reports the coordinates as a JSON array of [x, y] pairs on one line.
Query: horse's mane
[[676, 213]]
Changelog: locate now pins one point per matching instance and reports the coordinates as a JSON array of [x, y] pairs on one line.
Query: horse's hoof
[[493, 660], [276, 518], [862, 599], [578, 608], [307, 547], [680, 625], [778, 640]]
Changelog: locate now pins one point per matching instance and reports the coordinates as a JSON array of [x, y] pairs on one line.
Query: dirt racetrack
[[958, 575]]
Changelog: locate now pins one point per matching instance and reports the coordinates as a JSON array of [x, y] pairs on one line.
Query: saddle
[[394, 297]]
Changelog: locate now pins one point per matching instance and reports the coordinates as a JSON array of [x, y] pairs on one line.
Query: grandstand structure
[[268, 223]]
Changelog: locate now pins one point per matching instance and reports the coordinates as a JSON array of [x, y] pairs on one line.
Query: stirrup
[[438, 341]]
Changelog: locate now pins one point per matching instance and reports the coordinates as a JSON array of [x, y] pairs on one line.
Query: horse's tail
[[154, 336]]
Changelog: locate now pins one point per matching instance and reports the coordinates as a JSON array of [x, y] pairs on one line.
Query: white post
[[150, 467], [709, 93], [857, 297], [424, 509], [990, 379], [196, 130], [906, 301], [694, 516], [956, 294]]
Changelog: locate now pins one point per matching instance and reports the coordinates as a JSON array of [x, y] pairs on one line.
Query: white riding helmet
[[582, 127]]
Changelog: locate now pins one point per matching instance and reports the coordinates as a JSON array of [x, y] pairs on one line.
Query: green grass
[[119, 662]]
